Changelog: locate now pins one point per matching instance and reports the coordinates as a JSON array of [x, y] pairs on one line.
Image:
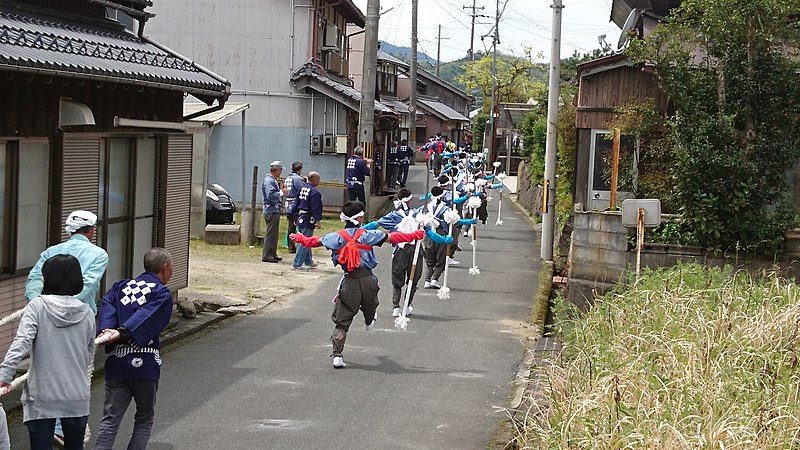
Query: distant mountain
[[404, 53]]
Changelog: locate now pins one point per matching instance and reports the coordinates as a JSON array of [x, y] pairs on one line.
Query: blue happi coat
[[143, 305]]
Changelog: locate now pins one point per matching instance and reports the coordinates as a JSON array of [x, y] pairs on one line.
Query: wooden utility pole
[[551, 150], [412, 107], [493, 103], [471, 52], [366, 119]]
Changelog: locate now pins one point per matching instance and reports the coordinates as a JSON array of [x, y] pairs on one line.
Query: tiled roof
[[36, 43], [440, 109], [311, 71]]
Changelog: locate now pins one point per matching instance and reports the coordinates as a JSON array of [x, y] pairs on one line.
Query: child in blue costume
[[351, 248]]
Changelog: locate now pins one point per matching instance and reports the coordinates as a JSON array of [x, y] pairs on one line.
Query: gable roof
[[39, 44], [439, 109], [350, 11], [309, 76]]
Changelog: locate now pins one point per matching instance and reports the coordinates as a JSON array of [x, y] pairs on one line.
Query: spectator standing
[[291, 188], [392, 166], [357, 169], [271, 191], [133, 314], [309, 217], [404, 154]]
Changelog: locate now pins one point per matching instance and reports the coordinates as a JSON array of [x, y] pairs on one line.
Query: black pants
[[391, 174], [401, 272], [402, 177], [291, 229], [357, 193], [359, 291], [435, 258]]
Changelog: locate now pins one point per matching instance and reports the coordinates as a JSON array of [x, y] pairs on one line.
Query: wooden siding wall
[[31, 103], [12, 292], [176, 200], [600, 93]]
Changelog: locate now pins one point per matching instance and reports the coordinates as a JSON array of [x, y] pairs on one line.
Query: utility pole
[[366, 119], [412, 107], [551, 150], [493, 106], [439, 49], [472, 29]]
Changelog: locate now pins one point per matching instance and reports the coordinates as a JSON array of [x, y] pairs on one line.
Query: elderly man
[[271, 191], [357, 169], [309, 217], [134, 313]]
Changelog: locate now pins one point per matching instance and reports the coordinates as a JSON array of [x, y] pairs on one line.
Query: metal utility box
[[328, 143], [341, 144], [316, 144]]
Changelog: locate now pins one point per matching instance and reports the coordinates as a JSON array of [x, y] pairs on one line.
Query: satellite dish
[[630, 23]]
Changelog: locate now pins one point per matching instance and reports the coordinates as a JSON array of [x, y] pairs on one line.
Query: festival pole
[[451, 217], [499, 222], [473, 204], [402, 321]]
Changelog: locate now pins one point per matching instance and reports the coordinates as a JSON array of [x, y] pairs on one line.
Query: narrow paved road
[[266, 381]]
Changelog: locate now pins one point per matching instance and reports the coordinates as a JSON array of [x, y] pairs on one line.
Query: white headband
[[353, 220], [79, 219], [402, 201]]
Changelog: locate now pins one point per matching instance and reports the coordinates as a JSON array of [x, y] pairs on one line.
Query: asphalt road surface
[[267, 382]]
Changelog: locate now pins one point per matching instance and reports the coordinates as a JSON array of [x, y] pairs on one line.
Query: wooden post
[[251, 235], [614, 169]]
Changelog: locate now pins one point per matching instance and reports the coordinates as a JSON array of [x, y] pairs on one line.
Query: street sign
[[652, 212]]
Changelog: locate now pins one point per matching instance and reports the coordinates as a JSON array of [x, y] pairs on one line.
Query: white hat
[[79, 219], [276, 164]]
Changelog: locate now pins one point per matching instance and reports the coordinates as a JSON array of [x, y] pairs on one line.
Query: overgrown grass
[[689, 358]]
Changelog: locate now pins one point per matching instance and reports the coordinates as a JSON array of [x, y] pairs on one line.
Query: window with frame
[[24, 203], [127, 203]]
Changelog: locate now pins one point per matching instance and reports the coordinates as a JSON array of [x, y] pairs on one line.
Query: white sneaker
[[427, 285], [409, 310], [435, 284], [338, 362], [396, 312], [452, 262], [371, 326]]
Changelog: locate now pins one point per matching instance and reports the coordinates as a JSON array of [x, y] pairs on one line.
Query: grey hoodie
[[58, 332]]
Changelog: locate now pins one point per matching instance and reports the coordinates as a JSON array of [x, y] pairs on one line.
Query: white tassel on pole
[[473, 204], [499, 222], [20, 381], [451, 217], [402, 321]]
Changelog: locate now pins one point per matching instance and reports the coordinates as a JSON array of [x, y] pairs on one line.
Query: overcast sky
[[525, 23]]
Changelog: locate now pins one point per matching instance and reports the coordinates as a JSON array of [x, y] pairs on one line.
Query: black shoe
[[271, 260]]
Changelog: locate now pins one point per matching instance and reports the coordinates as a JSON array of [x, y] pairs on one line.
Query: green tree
[[514, 82], [735, 134]]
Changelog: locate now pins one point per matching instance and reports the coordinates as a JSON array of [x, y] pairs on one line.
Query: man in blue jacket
[[271, 191], [133, 314], [357, 169], [309, 217]]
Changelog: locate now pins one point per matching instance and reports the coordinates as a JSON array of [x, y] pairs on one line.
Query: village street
[[266, 380]]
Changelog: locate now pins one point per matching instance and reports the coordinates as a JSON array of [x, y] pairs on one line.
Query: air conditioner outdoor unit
[[328, 143], [341, 144], [316, 144]]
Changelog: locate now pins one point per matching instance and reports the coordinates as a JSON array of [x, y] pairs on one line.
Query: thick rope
[[18, 382]]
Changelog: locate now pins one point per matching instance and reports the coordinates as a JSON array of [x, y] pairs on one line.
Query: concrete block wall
[[598, 255]]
